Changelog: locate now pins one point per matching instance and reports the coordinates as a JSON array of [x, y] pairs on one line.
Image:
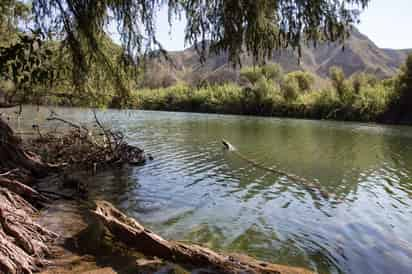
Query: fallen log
[[134, 235]]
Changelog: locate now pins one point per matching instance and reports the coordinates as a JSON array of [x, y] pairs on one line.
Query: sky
[[387, 23]]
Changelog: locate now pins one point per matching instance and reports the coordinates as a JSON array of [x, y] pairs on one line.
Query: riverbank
[[368, 106]]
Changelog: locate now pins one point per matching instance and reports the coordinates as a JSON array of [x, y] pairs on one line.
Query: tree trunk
[[134, 235], [13, 156]]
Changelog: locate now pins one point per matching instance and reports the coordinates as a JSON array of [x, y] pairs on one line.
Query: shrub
[[341, 85], [272, 71], [251, 74], [337, 77], [304, 79], [371, 102], [362, 80], [290, 88]]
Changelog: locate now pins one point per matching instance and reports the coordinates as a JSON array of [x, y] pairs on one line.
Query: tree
[[400, 109], [26, 63], [11, 12]]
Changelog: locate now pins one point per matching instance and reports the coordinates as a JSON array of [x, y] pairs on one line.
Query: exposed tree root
[[22, 241], [134, 235]]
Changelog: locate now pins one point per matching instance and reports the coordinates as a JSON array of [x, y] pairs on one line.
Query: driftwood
[[134, 235]]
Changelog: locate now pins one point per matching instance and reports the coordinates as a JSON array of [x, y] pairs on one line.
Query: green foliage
[[290, 88], [305, 80], [362, 79], [266, 97], [27, 64], [272, 71], [404, 82], [11, 13], [340, 84], [251, 74], [372, 101], [400, 106]]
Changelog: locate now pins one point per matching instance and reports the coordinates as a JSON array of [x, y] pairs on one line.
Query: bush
[[272, 72], [362, 80], [290, 88], [341, 86], [251, 74], [372, 102], [304, 79]]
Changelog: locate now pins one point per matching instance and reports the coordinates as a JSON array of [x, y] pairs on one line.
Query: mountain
[[358, 53]]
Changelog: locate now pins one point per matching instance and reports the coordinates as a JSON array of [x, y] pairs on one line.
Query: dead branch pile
[[85, 148]]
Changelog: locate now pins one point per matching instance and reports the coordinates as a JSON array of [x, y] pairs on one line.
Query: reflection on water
[[194, 190]]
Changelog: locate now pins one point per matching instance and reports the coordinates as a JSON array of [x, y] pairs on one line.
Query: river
[[196, 191]]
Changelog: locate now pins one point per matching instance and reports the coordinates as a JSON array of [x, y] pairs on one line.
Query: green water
[[196, 191]]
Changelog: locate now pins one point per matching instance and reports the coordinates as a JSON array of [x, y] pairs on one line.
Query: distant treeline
[[267, 91]]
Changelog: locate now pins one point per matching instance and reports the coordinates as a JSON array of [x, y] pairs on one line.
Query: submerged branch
[[310, 185]]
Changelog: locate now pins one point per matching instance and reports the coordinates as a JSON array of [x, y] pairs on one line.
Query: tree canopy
[[256, 27]]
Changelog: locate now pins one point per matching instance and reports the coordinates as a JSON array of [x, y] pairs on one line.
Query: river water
[[194, 190]]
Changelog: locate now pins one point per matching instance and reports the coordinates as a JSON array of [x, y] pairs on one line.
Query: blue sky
[[387, 23]]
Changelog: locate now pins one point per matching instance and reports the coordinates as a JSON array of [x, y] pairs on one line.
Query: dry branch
[[85, 148], [133, 234]]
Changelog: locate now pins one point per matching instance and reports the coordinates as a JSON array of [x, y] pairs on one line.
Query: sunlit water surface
[[194, 190]]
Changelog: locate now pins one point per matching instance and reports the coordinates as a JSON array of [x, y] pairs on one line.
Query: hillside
[[358, 53]]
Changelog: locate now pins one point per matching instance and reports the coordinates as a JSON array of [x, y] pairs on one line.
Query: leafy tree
[[400, 109], [404, 82], [11, 12], [27, 64]]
